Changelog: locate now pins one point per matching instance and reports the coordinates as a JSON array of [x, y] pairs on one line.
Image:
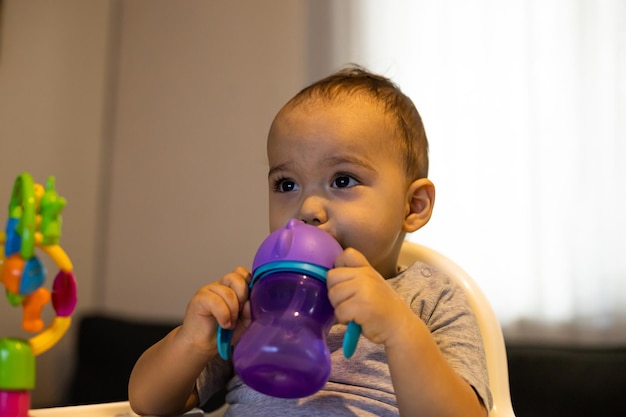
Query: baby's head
[[349, 155], [354, 83]]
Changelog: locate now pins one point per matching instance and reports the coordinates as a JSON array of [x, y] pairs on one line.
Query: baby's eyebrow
[[278, 168], [347, 159], [329, 161]]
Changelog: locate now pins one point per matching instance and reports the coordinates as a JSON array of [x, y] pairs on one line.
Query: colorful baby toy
[[283, 353], [34, 221]]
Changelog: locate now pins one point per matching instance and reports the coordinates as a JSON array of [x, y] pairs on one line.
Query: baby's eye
[[284, 185], [344, 181]]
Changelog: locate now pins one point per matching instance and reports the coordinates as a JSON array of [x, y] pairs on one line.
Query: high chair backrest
[[488, 323]]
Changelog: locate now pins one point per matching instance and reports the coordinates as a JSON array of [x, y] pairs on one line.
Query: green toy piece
[[17, 365], [23, 206], [50, 208]]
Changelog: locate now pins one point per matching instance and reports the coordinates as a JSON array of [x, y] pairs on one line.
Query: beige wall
[[152, 115], [197, 88], [52, 88]]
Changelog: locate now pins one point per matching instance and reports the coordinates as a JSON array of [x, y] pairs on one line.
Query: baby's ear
[[419, 204]]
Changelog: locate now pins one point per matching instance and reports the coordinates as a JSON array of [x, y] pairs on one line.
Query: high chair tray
[[117, 409]]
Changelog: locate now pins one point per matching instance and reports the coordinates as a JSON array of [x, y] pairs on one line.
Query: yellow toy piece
[[49, 337], [56, 253]]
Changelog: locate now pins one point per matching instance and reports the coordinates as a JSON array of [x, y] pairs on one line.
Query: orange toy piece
[[12, 270], [33, 305]]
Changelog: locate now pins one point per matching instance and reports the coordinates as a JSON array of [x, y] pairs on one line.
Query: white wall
[[152, 115]]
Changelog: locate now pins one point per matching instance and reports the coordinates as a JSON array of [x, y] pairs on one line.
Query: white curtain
[[524, 104]]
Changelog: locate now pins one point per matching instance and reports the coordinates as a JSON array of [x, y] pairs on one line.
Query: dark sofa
[[545, 381], [555, 381], [107, 350]]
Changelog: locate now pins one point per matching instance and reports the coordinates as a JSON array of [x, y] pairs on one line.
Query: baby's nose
[[313, 210]]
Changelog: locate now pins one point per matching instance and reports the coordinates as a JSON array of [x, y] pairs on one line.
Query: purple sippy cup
[[283, 353]]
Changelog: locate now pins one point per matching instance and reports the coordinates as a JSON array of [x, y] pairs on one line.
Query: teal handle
[[350, 339], [224, 337]]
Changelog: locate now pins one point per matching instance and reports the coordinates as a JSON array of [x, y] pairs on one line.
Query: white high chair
[[490, 330]]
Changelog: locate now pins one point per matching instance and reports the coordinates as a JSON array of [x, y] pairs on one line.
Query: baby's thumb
[[351, 258]]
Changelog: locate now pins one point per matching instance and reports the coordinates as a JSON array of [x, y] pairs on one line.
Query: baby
[[348, 154]]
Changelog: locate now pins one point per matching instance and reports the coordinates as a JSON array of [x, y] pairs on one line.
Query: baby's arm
[[423, 381], [163, 379]]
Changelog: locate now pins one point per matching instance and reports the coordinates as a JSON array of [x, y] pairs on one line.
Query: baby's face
[[336, 167]]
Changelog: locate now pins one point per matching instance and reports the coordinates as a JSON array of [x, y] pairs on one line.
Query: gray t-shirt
[[361, 385]]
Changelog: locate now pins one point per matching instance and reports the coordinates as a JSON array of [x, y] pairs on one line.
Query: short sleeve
[[442, 305]]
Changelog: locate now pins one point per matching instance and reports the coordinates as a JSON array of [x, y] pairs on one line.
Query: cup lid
[[299, 242]]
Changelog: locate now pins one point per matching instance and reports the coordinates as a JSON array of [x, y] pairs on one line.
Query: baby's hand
[[224, 303], [360, 294]]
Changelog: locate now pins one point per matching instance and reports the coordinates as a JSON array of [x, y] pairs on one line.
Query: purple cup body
[[283, 353]]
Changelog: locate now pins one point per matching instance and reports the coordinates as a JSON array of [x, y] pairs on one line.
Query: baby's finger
[[351, 258], [218, 301], [238, 281], [347, 265], [229, 314], [243, 272]]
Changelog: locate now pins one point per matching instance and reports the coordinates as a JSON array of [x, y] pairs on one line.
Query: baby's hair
[[355, 79]]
